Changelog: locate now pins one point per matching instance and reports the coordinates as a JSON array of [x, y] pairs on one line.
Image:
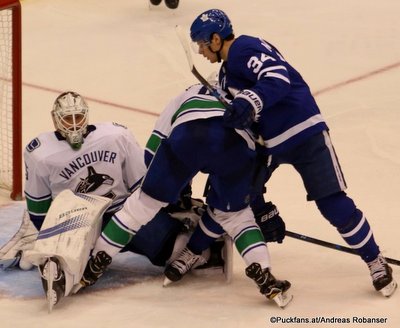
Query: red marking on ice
[[137, 110]]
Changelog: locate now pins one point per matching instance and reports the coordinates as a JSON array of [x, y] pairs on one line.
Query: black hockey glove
[[243, 111], [271, 224]]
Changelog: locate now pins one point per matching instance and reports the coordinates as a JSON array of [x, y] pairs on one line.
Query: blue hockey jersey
[[290, 114]]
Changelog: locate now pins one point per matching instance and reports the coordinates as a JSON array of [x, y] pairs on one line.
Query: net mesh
[[6, 105]]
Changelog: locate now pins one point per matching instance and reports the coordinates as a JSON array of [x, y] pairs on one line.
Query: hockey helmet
[[210, 22], [70, 117]]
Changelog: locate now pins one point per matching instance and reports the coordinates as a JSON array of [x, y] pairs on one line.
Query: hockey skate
[[53, 281], [181, 265], [172, 4], [382, 278], [270, 287], [95, 268], [155, 2]]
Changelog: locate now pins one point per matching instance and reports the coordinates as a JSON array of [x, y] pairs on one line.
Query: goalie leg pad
[[71, 227]]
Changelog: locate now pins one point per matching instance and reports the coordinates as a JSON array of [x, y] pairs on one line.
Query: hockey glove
[[244, 109], [271, 224]]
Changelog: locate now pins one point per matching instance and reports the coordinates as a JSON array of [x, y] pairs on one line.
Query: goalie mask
[[70, 117]]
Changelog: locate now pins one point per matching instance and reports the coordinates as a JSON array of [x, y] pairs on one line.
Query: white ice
[[124, 56]]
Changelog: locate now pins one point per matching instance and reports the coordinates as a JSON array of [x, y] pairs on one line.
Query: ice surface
[[125, 57]]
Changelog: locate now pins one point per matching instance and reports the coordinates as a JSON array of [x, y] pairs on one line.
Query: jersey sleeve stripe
[[41, 198], [313, 120], [278, 76]]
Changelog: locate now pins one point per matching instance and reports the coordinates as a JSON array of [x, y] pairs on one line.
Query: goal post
[[10, 98]]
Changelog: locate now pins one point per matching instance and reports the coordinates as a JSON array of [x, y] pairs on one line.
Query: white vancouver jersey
[[110, 163], [193, 104]]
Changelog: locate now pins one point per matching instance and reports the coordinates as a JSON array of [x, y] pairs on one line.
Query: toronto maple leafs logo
[[93, 181], [204, 17]]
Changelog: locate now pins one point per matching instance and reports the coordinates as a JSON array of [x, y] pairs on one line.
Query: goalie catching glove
[[244, 110], [271, 224]]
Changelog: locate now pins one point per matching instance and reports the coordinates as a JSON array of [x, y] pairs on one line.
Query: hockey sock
[[251, 246], [205, 234], [341, 212], [358, 235], [113, 238]]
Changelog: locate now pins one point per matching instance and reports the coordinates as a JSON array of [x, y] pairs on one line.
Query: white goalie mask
[[70, 117]]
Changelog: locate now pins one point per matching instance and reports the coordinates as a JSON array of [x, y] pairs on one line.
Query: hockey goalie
[[64, 242]]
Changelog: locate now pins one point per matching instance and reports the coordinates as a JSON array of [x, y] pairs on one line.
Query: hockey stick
[[331, 245], [186, 47]]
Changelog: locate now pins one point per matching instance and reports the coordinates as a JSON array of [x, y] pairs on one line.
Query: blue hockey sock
[[354, 228], [359, 236]]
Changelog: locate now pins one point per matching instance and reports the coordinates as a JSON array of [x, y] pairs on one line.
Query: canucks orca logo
[[93, 181]]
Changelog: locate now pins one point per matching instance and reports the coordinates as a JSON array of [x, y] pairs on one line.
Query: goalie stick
[[332, 245]]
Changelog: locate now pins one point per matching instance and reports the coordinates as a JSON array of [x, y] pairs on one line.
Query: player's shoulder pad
[[34, 144]]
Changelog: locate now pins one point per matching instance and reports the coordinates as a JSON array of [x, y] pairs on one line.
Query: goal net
[[10, 98]]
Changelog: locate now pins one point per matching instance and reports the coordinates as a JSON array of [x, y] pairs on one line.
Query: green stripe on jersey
[[38, 207], [196, 103], [116, 233], [248, 238], [153, 143]]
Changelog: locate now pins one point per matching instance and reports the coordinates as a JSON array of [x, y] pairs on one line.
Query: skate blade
[[51, 297], [388, 290], [282, 299], [50, 271], [167, 282]]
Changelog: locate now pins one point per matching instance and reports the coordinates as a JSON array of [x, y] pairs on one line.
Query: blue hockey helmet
[[210, 22]]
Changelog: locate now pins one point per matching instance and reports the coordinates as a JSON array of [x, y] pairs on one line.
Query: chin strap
[[218, 52]]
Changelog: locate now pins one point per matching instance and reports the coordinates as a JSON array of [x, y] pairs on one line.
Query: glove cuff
[[254, 99]]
